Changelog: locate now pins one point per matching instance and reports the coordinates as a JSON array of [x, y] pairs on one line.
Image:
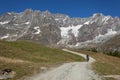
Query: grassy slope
[[37, 56], [105, 65]]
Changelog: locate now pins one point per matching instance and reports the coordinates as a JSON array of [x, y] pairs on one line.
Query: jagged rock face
[[43, 29], [30, 25], [111, 45], [72, 38], [98, 25], [47, 28]]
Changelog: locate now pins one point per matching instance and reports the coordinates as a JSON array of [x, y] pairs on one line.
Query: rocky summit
[[58, 29]]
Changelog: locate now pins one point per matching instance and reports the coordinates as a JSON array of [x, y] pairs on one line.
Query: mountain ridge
[[58, 29]]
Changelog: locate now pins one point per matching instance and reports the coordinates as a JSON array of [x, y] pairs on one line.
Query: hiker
[[87, 57]]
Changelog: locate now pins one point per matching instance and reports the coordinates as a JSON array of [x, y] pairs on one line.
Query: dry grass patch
[[10, 60], [109, 78]]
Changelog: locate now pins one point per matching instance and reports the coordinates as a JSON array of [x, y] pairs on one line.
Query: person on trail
[[87, 57]]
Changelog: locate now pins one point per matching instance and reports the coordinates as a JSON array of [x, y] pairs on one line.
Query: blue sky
[[73, 8]]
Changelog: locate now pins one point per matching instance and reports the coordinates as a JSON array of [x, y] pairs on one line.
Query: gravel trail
[[70, 71]]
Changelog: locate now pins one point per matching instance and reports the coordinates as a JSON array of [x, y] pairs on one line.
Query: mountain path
[[70, 71]]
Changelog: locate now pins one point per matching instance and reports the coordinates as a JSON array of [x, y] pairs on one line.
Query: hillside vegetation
[[26, 58]]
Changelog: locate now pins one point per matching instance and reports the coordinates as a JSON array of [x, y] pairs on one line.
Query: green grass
[[38, 55], [34, 52]]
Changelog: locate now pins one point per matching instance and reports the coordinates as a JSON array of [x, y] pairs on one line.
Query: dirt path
[[70, 71], [91, 60]]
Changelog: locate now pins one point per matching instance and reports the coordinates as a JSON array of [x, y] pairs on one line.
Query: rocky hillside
[[58, 29], [111, 47]]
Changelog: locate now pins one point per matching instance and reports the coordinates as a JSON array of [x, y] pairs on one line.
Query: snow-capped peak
[[9, 13], [4, 37], [97, 15], [102, 38], [106, 18], [27, 22], [5, 22], [37, 28], [87, 23]]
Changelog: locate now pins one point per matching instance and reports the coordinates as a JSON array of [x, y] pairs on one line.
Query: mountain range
[[97, 31]]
